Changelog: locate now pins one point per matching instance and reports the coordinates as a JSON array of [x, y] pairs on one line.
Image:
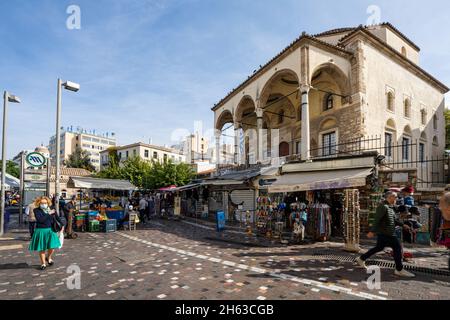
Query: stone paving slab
[[172, 260]]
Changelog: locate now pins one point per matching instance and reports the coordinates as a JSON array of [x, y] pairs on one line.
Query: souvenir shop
[[312, 206], [317, 215]]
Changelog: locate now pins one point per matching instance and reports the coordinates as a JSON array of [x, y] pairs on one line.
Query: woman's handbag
[[56, 225]]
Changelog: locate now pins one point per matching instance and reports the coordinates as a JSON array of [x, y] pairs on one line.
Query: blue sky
[[148, 67]]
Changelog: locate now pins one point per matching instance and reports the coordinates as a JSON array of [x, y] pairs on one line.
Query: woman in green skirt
[[44, 238]]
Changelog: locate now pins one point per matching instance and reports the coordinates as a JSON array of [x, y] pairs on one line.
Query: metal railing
[[432, 168]]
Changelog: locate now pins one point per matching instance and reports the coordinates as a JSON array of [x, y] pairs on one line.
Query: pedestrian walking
[[143, 209], [384, 227], [29, 211], [68, 210], [444, 206], [45, 237]]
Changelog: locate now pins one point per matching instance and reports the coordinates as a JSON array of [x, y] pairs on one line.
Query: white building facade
[[145, 152], [324, 91], [89, 142]]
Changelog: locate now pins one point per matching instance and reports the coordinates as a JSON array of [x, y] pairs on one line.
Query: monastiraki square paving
[[188, 259]]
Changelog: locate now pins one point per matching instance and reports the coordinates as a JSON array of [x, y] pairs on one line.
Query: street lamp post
[[71, 86], [13, 99]]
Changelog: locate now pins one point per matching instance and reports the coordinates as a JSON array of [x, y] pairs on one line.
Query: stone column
[[259, 135], [306, 140], [237, 151], [217, 135]]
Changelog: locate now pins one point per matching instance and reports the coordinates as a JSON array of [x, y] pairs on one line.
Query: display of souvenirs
[[319, 222], [298, 220], [351, 220]]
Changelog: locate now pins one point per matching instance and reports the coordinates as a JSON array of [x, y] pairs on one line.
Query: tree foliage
[[147, 175], [12, 168], [79, 159]]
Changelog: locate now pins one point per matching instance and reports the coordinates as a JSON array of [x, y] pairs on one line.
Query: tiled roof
[[339, 46], [333, 31], [291, 45]]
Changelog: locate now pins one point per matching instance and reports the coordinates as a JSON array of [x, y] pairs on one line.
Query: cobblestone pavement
[[180, 260]]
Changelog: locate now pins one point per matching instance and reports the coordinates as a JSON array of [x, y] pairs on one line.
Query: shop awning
[[100, 184], [222, 182], [320, 180], [187, 187], [11, 182]]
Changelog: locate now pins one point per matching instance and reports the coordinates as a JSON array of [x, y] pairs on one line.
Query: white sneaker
[[361, 263], [404, 274]]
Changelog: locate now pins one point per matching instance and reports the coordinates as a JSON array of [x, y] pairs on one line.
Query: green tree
[[12, 168], [168, 173], [447, 128], [80, 159], [113, 170], [148, 175]]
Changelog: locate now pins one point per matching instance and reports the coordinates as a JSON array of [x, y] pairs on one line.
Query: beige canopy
[[100, 184], [320, 180]]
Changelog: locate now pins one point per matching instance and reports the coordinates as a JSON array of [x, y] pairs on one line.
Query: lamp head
[[14, 99], [71, 86]]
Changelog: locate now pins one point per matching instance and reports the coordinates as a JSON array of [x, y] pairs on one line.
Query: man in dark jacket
[[384, 226]]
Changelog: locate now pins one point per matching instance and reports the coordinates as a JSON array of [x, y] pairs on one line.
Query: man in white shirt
[[142, 208]]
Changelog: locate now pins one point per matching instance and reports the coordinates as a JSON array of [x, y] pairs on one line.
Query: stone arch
[[328, 123], [423, 136], [435, 141], [339, 76], [285, 77], [390, 124], [245, 107], [407, 130], [225, 117]]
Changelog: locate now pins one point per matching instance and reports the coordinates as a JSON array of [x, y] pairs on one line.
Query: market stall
[[100, 216]]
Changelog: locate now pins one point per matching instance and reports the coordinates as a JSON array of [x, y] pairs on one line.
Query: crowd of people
[[47, 229]]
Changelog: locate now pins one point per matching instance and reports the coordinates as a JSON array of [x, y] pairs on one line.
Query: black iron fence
[[432, 167]]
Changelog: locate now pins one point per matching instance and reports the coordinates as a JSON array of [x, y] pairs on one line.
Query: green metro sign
[[36, 159]]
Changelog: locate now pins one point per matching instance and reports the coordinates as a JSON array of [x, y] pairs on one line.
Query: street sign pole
[[48, 176], [2, 202], [22, 189]]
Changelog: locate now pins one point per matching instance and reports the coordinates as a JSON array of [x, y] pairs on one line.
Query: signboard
[[35, 186], [400, 177], [36, 159], [220, 217], [35, 177]]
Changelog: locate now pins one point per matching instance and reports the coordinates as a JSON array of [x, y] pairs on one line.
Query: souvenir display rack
[[351, 220]]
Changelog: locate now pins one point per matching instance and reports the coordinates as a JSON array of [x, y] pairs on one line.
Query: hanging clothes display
[[319, 222]]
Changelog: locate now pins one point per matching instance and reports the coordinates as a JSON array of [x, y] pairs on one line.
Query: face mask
[[44, 206]]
